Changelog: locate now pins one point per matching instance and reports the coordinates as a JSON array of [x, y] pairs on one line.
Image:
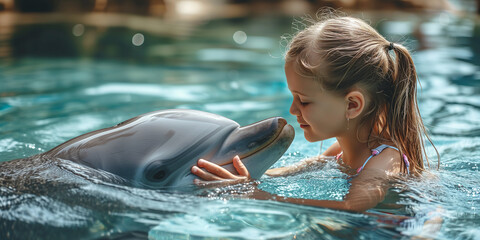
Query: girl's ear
[[355, 104]]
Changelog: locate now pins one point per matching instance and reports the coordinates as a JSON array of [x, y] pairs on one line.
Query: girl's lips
[[302, 125]]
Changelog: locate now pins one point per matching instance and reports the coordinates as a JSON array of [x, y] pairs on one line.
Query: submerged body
[[158, 149]]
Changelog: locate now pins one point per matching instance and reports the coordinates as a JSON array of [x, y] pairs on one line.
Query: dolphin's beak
[[265, 149], [268, 139], [248, 140]]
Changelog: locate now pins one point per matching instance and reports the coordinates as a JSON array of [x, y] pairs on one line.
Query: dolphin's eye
[[159, 175]]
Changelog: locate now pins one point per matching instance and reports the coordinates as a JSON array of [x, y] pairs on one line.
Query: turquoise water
[[57, 86]]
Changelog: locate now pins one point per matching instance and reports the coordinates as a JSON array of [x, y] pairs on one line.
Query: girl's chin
[[313, 138]]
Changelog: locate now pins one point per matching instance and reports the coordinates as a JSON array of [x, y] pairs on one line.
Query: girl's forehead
[[301, 84]]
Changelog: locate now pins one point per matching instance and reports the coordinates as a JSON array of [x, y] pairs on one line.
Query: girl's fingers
[[204, 175], [215, 175], [240, 167], [215, 169]]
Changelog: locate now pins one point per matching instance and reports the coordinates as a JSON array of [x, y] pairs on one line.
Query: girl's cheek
[[305, 110]]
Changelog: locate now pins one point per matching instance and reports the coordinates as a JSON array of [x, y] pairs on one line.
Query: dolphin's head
[[158, 149], [259, 145]]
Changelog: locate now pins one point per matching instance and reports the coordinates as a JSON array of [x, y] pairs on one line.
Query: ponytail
[[403, 118]]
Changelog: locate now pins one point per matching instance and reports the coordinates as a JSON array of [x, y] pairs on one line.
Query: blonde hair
[[343, 52]]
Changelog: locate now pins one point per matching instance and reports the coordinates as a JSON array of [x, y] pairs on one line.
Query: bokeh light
[[138, 39], [240, 37], [78, 30]]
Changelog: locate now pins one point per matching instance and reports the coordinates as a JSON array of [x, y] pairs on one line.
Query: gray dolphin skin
[[158, 149]]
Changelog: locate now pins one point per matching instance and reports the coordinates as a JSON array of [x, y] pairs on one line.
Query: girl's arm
[[366, 191], [304, 164]]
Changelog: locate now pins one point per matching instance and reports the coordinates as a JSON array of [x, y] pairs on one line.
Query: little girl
[[350, 83]]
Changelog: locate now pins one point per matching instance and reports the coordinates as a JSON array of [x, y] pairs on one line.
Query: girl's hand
[[296, 168], [216, 175], [278, 172]]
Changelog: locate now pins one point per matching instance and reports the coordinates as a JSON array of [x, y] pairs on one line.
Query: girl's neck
[[355, 152]]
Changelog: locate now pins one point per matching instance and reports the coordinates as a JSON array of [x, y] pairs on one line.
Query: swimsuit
[[377, 151]]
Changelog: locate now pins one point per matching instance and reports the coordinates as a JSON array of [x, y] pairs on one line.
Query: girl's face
[[320, 114]]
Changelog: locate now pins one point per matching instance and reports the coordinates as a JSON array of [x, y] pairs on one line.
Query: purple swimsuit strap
[[377, 151]]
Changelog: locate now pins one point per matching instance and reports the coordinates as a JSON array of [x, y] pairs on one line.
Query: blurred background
[[68, 67], [137, 30]]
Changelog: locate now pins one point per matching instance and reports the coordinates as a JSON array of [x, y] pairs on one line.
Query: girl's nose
[[294, 109]]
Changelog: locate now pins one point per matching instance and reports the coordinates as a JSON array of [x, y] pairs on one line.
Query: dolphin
[[157, 149]]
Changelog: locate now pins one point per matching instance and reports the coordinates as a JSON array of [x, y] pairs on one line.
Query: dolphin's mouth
[[273, 136], [281, 125]]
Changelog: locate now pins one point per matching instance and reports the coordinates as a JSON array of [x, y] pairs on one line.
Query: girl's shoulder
[[389, 159]]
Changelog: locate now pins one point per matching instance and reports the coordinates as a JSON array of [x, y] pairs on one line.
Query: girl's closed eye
[[304, 103]]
